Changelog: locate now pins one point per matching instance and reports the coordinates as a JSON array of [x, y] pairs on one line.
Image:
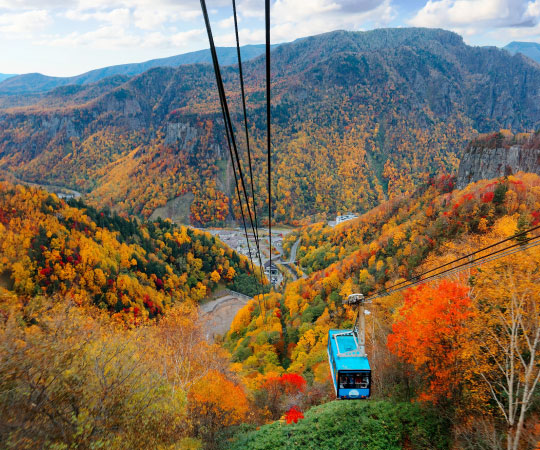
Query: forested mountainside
[[135, 270], [100, 345], [499, 154], [35, 83], [438, 343], [373, 113]]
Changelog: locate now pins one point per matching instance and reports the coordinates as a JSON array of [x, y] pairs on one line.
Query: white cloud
[[251, 8], [483, 21], [119, 17], [115, 38], [150, 19], [185, 38], [33, 4], [291, 21], [106, 37], [294, 11], [150, 22], [228, 23], [533, 9], [146, 14], [478, 14], [26, 23]]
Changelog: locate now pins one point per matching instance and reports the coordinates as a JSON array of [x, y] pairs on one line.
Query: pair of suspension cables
[[239, 178], [466, 262]]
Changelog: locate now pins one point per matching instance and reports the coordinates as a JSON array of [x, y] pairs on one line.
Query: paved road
[[291, 271], [47, 187], [294, 249], [218, 314]]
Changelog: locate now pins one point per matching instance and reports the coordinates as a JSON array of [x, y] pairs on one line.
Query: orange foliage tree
[[430, 335], [215, 402]]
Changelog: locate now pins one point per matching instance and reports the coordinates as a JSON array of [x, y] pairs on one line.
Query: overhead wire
[[228, 129], [244, 110], [221, 89], [268, 130], [227, 116], [414, 281], [479, 261], [515, 236], [468, 265], [241, 208]]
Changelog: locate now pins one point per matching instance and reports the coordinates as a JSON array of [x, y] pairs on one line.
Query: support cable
[[268, 130], [243, 92], [228, 127], [523, 233], [221, 90], [242, 210], [244, 109], [528, 243]]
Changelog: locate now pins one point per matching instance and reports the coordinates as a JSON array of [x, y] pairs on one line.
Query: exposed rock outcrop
[[185, 136], [495, 156]]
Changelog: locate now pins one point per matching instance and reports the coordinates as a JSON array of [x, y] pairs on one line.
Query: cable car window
[[353, 381]]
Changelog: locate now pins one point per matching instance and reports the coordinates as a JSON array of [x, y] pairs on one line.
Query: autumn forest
[[105, 299]]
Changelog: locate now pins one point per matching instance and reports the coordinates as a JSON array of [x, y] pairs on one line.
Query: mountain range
[[529, 49], [4, 76], [357, 117], [37, 82]]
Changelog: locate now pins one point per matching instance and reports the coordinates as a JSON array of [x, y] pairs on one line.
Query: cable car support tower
[[358, 332]]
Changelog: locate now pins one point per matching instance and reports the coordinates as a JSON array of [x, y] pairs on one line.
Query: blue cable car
[[349, 365]]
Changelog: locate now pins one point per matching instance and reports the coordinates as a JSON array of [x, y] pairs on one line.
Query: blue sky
[[68, 37]]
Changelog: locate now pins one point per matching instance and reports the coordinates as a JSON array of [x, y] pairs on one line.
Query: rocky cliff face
[[186, 136], [492, 157]]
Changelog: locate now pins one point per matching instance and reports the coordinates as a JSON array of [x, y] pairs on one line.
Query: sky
[[69, 37]]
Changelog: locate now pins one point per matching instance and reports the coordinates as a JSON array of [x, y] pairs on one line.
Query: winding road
[[294, 249]]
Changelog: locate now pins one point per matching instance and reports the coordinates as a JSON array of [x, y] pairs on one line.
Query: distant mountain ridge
[[5, 76], [32, 83], [357, 117], [529, 49]]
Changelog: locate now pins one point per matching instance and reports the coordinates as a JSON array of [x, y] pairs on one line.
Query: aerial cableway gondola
[[349, 365]]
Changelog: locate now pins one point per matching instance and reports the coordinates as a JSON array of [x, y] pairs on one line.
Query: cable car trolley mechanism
[[349, 365]]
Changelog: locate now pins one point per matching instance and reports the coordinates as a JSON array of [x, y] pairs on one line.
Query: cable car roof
[[346, 344]]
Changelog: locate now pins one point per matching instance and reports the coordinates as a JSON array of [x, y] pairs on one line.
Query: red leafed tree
[[293, 415], [430, 335], [288, 383], [276, 390], [292, 383]]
